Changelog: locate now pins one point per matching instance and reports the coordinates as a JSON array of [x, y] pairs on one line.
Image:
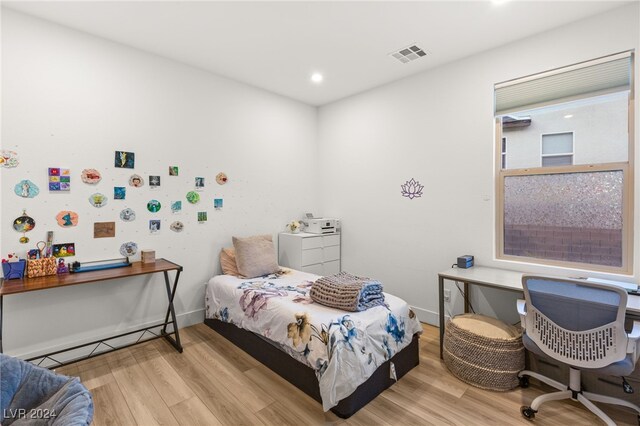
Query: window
[[564, 188], [503, 158], [557, 149]]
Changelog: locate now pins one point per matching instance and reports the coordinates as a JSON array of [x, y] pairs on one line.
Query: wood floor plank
[[145, 403], [193, 412], [165, 379], [218, 399], [305, 407], [231, 378], [214, 383], [110, 408]]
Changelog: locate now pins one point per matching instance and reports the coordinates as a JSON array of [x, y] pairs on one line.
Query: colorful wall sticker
[[174, 170], [67, 218], [136, 181], [154, 206], [124, 159], [8, 159], [154, 182], [177, 226], [24, 224], [27, 189], [59, 179], [128, 215], [199, 184], [221, 178], [411, 189], [154, 226], [104, 229], [98, 200], [64, 250], [91, 176], [119, 192], [128, 249], [193, 197], [217, 203], [202, 217], [176, 207]]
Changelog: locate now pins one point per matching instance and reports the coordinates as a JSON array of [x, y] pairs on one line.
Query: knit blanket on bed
[[347, 292]]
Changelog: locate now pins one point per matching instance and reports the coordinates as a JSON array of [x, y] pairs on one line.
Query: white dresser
[[315, 253]]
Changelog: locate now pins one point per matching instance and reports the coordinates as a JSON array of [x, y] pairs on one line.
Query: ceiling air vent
[[408, 54]]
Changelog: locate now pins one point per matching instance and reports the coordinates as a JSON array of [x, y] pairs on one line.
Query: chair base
[[574, 392]]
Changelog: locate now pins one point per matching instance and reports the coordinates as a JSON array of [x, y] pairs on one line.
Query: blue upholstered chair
[[580, 324], [37, 396]]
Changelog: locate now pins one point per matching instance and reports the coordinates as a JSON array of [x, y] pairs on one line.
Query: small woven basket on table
[[483, 351]]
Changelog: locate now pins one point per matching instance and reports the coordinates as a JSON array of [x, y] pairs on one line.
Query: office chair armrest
[[634, 339], [522, 310]]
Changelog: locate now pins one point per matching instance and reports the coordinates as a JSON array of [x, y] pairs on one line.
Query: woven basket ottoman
[[483, 351]]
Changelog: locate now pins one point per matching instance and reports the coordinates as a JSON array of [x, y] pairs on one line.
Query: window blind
[[605, 75]]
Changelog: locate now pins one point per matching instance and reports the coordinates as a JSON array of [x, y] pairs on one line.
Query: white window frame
[[628, 190], [559, 154]]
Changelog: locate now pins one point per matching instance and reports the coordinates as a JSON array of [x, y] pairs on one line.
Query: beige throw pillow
[[255, 256], [228, 262]]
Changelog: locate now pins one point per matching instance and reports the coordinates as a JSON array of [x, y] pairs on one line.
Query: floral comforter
[[344, 348]]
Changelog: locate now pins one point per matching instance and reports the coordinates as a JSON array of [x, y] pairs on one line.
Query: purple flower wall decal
[[412, 189]]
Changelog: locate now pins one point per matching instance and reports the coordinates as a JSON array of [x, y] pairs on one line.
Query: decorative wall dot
[[91, 176], [26, 189], [193, 197], [128, 215], [221, 178], [67, 218], [154, 206], [98, 200]]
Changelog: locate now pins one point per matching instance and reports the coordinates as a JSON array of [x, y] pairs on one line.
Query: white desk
[[495, 278]]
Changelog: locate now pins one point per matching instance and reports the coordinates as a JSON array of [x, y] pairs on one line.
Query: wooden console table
[[10, 287]]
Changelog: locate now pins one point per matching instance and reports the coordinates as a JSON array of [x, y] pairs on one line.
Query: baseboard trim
[[429, 317], [185, 319]]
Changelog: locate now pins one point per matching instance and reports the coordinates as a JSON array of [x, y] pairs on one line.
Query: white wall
[[437, 127], [70, 100]]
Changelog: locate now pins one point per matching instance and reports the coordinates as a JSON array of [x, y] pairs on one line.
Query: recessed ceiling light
[[316, 77], [568, 116], [499, 2]]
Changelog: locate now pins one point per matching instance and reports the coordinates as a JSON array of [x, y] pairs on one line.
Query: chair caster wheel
[[527, 413], [524, 381]]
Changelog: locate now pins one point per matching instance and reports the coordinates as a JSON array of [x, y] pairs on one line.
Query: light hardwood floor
[[215, 383]]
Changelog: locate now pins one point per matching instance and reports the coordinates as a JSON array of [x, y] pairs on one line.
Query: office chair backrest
[[577, 322]]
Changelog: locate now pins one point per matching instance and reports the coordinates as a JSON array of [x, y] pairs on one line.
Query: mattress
[[344, 348]]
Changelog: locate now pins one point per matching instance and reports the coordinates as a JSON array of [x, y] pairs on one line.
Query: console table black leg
[[171, 293]]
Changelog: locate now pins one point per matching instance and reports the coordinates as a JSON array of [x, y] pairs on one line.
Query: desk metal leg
[[466, 297], [441, 311], [171, 293]]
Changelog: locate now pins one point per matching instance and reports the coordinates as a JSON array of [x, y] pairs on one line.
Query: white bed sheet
[[344, 348]]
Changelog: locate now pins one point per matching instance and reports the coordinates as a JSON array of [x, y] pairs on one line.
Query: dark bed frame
[[304, 377]]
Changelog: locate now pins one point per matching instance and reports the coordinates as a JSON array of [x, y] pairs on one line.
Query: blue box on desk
[[13, 270]]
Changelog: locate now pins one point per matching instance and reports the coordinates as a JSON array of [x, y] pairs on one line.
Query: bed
[[341, 359]]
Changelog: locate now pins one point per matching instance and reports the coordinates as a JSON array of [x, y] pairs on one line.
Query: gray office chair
[[581, 324]]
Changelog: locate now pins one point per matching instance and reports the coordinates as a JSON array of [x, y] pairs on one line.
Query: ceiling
[[278, 45]]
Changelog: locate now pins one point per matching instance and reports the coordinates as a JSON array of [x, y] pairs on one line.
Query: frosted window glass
[[573, 217], [560, 143]]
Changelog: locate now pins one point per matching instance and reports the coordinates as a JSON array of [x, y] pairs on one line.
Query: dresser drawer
[[313, 269], [311, 256], [331, 253], [312, 242], [331, 240]]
